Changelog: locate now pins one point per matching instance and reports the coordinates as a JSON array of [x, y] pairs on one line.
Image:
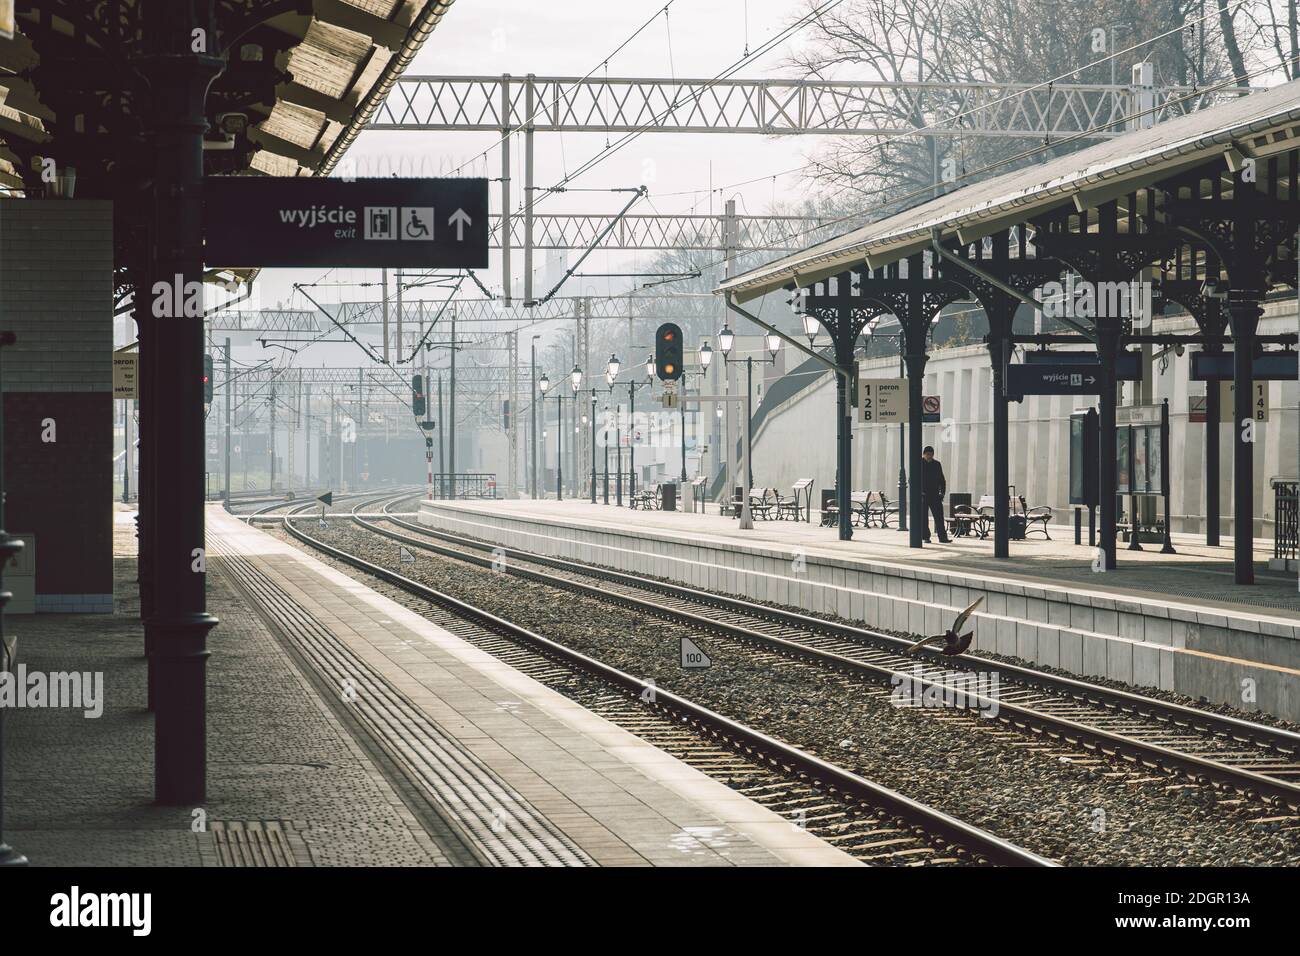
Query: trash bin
[[667, 497]]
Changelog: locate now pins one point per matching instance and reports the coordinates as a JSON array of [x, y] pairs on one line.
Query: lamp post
[[544, 384], [575, 380], [606, 501], [532, 412], [725, 341], [593, 445], [611, 374]]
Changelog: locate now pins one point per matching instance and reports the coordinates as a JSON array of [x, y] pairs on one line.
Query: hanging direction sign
[[1128, 365], [1271, 366], [266, 221], [1042, 379]]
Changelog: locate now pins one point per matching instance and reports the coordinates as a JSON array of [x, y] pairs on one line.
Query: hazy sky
[[570, 38]]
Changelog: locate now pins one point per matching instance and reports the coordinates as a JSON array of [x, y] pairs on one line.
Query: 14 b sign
[[1259, 405], [882, 400]]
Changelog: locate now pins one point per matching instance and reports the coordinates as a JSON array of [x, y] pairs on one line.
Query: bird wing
[[964, 616], [934, 639]]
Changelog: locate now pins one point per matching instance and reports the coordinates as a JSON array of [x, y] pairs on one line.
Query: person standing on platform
[[934, 487]]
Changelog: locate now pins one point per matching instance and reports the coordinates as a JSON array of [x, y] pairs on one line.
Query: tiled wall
[[56, 296]]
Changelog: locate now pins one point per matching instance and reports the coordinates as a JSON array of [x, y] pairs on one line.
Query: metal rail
[[983, 846], [1253, 758]]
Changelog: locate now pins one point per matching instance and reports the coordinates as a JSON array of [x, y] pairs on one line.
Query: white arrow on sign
[[460, 219]]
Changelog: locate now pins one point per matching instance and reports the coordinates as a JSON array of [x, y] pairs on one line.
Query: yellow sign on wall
[[882, 400], [1259, 406], [124, 372]]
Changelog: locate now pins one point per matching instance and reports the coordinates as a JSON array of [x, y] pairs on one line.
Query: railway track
[[1258, 761], [868, 821], [268, 510]]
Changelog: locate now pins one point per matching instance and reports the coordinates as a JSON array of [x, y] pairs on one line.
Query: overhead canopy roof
[[308, 77], [1261, 124]]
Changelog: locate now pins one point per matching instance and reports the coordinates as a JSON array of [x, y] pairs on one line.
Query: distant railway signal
[[668, 352], [417, 396]]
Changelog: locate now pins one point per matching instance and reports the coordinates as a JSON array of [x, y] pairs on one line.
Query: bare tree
[[964, 43]]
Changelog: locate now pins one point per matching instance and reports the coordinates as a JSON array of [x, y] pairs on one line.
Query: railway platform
[[345, 729], [1174, 622]]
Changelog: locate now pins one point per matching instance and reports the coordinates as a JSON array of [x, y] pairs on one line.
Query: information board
[[882, 400]]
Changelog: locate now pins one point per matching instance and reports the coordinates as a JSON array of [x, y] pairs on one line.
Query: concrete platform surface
[[288, 785], [344, 729], [1177, 622], [519, 771]]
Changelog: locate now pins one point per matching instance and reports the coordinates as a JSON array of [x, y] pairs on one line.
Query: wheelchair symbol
[[417, 223]]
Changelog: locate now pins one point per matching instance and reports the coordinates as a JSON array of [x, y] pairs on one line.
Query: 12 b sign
[[882, 400]]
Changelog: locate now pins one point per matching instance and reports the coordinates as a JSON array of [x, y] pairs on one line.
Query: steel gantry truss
[[507, 104], [838, 107], [690, 231], [470, 313]]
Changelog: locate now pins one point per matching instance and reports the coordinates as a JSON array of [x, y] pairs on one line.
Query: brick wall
[[56, 296]]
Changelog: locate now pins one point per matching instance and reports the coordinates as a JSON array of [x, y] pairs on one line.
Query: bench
[[647, 499], [1041, 515], [878, 509], [1019, 510], [798, 504], [831, 507], [964, 520], [761, 503]]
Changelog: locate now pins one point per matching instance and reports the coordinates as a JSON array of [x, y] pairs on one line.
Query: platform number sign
[[882, 400], [1259, 405]]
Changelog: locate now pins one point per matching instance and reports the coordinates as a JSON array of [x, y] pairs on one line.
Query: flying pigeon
[[953, 643]]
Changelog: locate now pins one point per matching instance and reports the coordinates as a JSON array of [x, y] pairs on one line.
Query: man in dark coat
[[934, 487]]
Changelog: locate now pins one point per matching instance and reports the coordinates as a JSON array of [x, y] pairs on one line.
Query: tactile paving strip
[[258, 843], [502, 825]]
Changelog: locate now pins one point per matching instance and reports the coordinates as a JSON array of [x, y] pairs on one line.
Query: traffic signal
[[668, 352], [505, 414], [207, 379], [417, 395]]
